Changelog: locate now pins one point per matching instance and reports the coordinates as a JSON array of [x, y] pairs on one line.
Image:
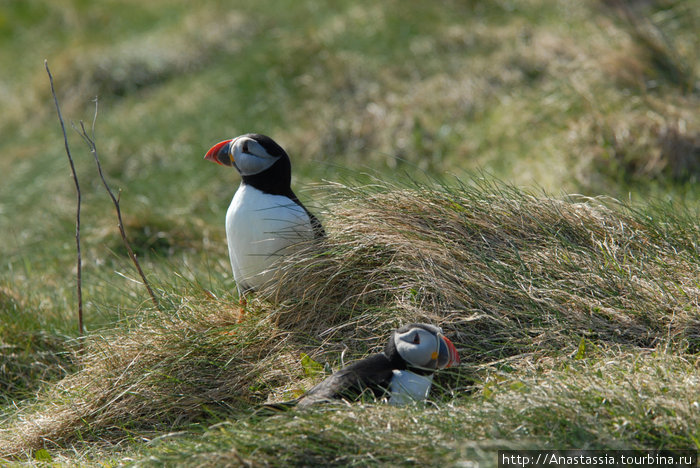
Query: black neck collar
[[275, 180]]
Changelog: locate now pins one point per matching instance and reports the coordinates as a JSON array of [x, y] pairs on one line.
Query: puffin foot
[[242, 305]]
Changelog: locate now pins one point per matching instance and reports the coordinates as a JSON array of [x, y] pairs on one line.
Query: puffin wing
[[319, 232], [373, 373]]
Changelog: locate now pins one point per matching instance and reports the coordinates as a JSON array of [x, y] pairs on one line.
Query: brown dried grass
[[488, 262]]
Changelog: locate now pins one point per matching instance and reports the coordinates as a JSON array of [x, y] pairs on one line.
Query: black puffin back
[[373, 374]]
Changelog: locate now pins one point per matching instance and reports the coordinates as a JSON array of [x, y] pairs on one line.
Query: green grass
[[550, 301], [598, 99], [589, 403]]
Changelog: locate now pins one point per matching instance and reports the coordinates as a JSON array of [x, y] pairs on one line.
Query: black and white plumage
[[403, 372], [265, 219]]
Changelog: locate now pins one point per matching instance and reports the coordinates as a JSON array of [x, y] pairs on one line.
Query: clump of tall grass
[[157, 372], [504, 271], [507, 274]]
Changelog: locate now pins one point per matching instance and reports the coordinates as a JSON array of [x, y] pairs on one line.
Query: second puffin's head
[[250, 154], [423, 346]]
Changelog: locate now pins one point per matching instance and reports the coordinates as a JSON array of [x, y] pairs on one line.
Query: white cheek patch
[[417, 354], [250, 164]]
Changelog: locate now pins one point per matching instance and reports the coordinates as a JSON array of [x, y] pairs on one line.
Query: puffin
[[265, 220], [402, 373]]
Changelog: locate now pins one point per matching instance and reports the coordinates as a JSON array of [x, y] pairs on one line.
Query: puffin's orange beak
[[220, 153], [448, 355]]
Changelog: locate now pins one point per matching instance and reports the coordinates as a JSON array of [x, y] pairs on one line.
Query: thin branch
[[77, 214], [90, 140]]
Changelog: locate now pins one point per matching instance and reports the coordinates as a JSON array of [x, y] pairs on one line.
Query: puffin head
[[423, 346], [250, 154]]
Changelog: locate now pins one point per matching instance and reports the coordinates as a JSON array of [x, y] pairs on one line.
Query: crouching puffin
[[265, 219], [403, 372]]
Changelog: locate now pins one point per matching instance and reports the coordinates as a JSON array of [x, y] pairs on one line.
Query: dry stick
[[77, 214], [93, 149]]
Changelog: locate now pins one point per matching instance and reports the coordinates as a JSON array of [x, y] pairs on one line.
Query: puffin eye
[[416, 339], [244, 148]]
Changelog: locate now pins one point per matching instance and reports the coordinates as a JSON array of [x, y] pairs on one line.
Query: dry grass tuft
[[168, 370], [504, 271], [507, 274]]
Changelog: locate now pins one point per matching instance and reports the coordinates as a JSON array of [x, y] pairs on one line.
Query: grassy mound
[[505, 271], [607, 400], [511, 277]]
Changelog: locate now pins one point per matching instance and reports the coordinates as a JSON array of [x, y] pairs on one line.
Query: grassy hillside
[[577, 317], [578, 325]]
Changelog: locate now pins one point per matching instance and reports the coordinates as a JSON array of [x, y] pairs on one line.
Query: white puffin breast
[[409, 387], [260, 228]]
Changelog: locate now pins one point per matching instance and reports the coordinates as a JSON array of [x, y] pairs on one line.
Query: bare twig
[[90, 140], [77, 214]]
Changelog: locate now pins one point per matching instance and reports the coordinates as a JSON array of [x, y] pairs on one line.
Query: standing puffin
[[403, 372], [265, 219]]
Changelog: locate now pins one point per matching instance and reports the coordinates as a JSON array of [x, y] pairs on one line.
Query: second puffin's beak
[[448, 355], [220, 153]]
